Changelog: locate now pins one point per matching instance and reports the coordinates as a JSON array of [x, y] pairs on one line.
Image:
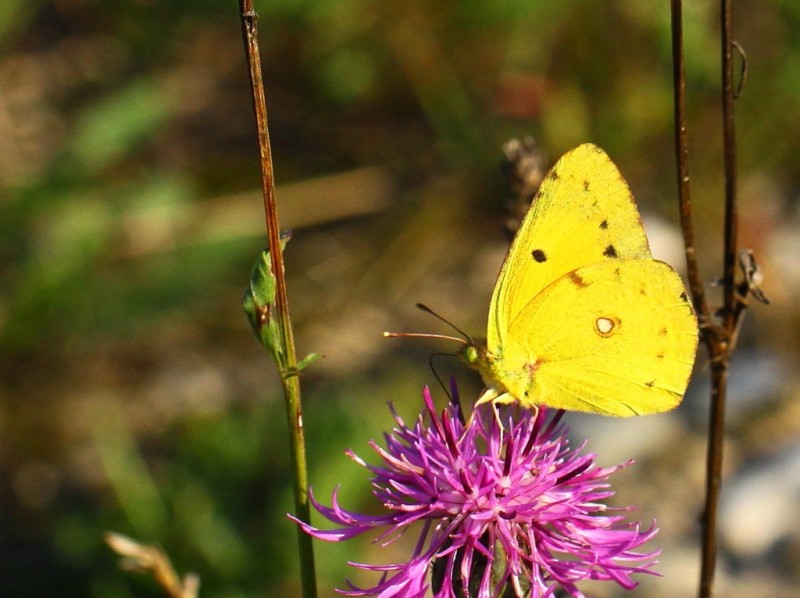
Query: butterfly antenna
[[436, 374], [423, 335], [464, 341], [427, 309]]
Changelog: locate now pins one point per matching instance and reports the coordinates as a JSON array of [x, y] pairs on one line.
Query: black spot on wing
[[604, 224], [650, 384], [539, 255], [684, 297], [553, 175], [586, 186], [610, 251]]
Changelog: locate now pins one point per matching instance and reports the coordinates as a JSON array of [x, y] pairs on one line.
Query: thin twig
[[290, 381], [721, 357], [729, 140], [743, 72], [717, 334], [143, 558], [682, 161]]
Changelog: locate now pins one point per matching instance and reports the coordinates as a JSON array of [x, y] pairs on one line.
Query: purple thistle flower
[[506, 508]]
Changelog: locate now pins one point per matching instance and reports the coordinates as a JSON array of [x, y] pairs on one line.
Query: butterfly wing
[[617, 337], [583, 213]]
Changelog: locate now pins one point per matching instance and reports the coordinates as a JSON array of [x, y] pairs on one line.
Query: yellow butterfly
[[582, 317]]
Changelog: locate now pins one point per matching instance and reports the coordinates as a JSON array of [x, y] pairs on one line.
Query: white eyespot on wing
[[605, 326]]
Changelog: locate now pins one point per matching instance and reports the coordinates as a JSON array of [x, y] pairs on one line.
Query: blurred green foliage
[[133, 396]]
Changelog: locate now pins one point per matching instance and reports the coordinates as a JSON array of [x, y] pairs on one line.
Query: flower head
[[500, 506]]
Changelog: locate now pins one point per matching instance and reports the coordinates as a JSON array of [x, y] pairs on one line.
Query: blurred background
[[133, 396]]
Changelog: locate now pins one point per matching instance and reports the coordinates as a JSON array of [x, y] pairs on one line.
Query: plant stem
[[682, 161], [721, 361], [729, 148], [717, 337], [289, 379]]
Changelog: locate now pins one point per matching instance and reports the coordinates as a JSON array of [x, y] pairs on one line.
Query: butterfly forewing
[[584, 213]]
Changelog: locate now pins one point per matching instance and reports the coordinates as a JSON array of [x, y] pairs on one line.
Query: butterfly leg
[[489, 395]]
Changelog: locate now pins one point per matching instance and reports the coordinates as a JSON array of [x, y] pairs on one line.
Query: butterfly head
[[476, 355], [474, 352]]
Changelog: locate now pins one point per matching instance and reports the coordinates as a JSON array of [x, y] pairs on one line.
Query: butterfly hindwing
[[616, 337]]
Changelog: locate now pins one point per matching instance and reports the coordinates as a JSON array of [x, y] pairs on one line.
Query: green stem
[[290, 382]]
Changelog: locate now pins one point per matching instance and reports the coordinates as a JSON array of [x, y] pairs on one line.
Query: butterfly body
[[582, 317]]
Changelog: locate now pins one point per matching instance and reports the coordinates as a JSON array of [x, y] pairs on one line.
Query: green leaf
[[304, 363], [262, 280], [259, 305]]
